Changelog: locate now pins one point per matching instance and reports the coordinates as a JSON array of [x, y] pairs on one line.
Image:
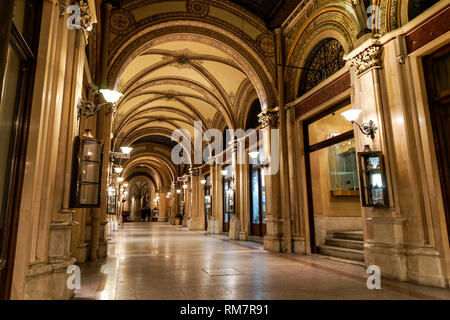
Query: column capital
[[368, 59], [269, 117], [86, 19], [195, 172], [110, 109]]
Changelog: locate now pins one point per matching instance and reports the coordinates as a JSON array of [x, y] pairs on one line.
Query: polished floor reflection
[[156, 261]]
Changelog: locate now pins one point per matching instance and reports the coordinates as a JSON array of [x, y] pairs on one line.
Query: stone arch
[[326, 23]]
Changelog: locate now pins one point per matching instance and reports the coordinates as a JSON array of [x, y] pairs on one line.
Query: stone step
[[345, 253], [345, 243], [355, 262], [349, 235]]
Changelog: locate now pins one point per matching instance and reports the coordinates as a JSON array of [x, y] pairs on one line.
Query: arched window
[[252, 116], [416, 7], [325, 60]]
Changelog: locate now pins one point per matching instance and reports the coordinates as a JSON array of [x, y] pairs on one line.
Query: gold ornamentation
[[368, 59], [269, 118]]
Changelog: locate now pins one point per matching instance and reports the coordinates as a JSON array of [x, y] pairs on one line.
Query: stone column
[[284, 168], [384, 229], [215, 221], [235, 223], [104, 126], [195, 222], [269, 120]]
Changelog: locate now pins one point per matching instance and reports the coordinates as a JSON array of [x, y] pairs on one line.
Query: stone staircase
[[346, 246]]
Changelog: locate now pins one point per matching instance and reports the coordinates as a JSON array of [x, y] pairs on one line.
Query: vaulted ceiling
[[271, 11]]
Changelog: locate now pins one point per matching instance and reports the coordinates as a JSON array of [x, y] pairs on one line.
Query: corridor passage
[[157, 261]]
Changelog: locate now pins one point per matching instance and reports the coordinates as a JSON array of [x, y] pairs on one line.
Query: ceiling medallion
[[198, 8], [267, 43], [122, 22]]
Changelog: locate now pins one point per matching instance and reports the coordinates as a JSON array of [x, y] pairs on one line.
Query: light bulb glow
[[351, 115], [224, 172], [120, 179], [185, 186], [253, 154], [111, 96], [126, 150], [203, 181], [178, 191], [118, 170]]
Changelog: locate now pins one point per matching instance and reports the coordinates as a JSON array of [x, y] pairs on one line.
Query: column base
[[195, 224], [235, 228], [213, 226], [298, 245], [80, 252], [243, 236], [272, 241], [48, 281], [163, 219]]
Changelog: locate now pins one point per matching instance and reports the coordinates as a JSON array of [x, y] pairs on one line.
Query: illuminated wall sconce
[[185, 186], [120, 179], [224, 172], [203, 182], [178, 191], [118, 170], [90, 109], [369, 129]]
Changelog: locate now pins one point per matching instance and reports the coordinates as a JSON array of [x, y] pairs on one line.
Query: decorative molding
[[195, 172], [198, 8], [86, 20], [270, 117], [368, 59], [122, 22]]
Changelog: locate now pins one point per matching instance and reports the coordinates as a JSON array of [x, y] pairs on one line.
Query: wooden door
[[437, 76]]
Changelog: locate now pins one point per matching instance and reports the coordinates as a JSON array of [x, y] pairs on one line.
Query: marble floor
[[157, 261]]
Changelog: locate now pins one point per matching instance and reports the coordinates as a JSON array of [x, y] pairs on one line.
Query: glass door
[[227, 199], [258, 201]]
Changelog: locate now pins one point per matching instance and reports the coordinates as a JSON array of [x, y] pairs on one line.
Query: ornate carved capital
[[195, 172], [368, 59], [110, 109], [85, 17], [269, 118]]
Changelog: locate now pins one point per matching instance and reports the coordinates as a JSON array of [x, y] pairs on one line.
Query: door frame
[[316, 147], [26, 50], [435, 101]]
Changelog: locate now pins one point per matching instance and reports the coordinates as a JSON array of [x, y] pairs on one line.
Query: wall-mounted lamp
[[90, 109], [203, 182], [224, 172], [125, 154], [118, 170], [254, 154], [185, 186], [120, 179], [369, 129], [178, 191]]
